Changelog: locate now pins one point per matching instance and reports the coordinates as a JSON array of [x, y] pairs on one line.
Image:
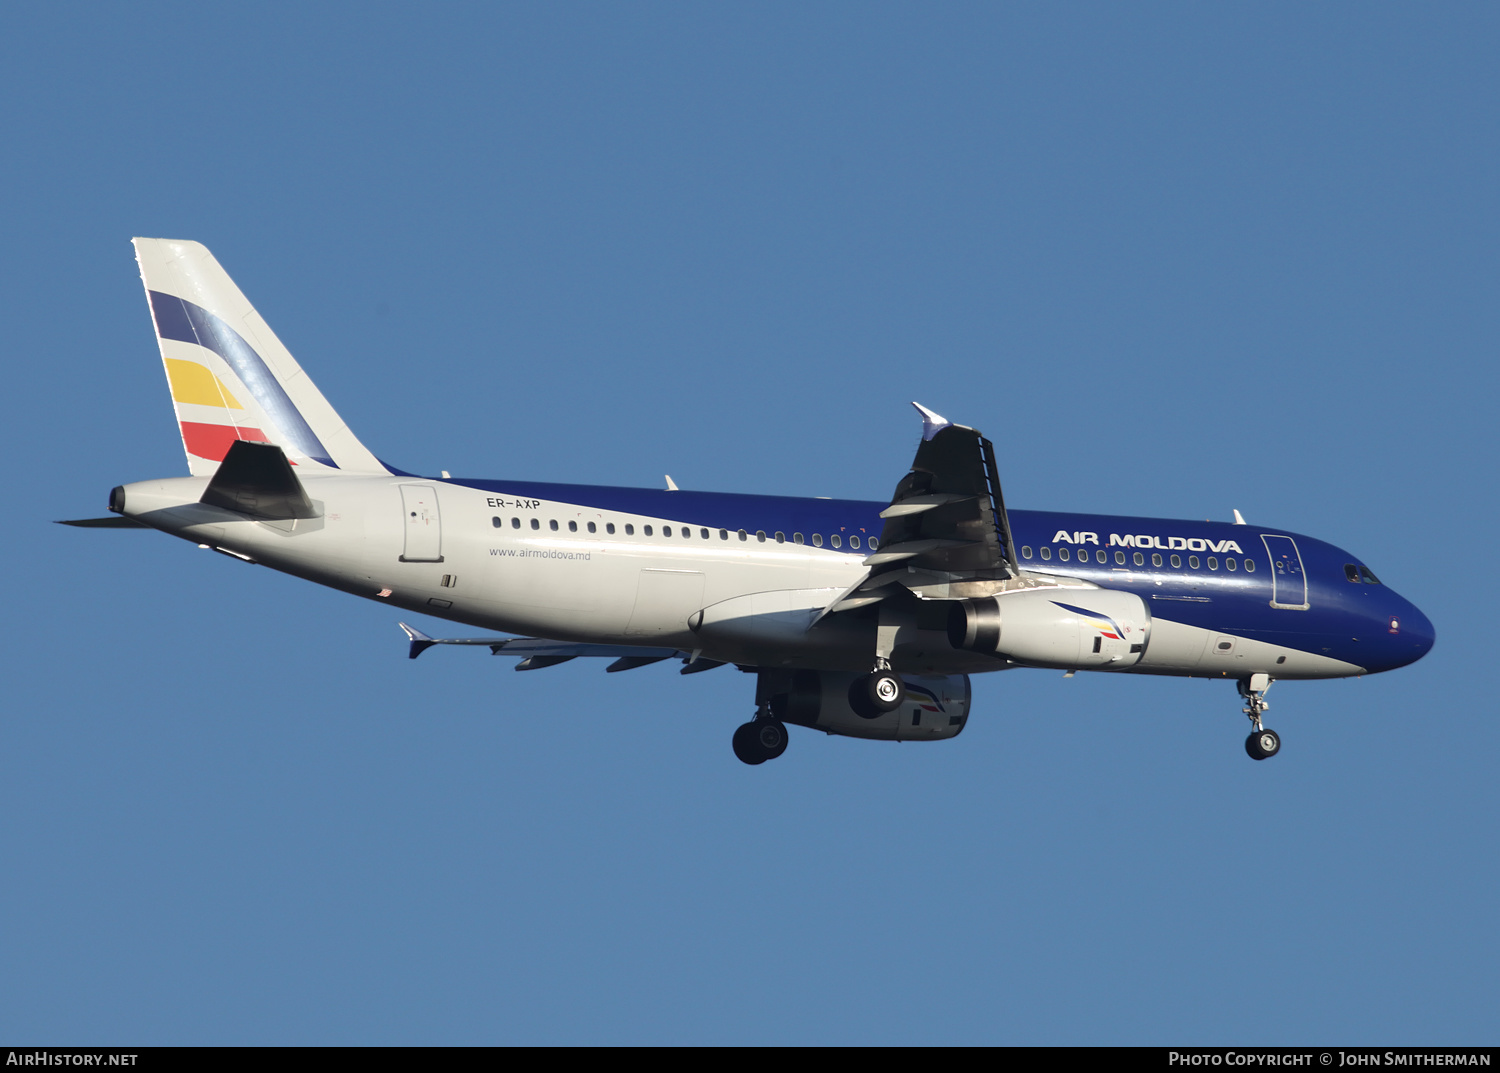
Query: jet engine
[[936, 706], [1069, 628]]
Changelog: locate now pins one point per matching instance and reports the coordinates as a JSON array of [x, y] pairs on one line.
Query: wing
[[539, 652], [946, 534]]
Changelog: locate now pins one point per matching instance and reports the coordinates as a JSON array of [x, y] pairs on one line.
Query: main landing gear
[[876, 693], [1262, 744], [762, 739]]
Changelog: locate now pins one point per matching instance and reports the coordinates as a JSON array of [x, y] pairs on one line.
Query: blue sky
[[1174, 260]]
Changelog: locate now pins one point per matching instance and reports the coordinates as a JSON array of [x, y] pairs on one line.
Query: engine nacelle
[[936, 706], [1068, 628]]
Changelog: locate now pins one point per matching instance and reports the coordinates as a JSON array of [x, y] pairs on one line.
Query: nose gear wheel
[[1263, 744]]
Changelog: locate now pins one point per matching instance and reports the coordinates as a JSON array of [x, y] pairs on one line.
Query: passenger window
[[536, 523], [1351, 572], [1156, 558], [1176, 562], [515, 523], [796, 538], [854, 541], [744, 535], [629, 529], [1230, 564], [495, 522], [687, 532], [703, 533], [1101, 556], [1025, 552], [591, 528], [552, 524], [1369, 575], [836, 540], [1193, 561], [1249, 566], [1120, 558], [874, 543], [1046, 552], [1138, 559], [1064, 554], [760, 535], [1213, 564], [723, 534], [609, 527], [646, 529], [817, 540], [666, 530], [572, 527], [780, 537]]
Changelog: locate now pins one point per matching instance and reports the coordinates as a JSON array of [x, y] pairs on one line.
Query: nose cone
[[1409, 634]]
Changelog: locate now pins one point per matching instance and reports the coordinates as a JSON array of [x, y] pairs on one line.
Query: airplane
[[862, 619]]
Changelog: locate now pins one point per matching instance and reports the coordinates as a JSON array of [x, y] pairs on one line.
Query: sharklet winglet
[[932, 423]]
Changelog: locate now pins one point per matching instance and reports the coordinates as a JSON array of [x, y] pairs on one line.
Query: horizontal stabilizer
[[256, 479], [114, 521]]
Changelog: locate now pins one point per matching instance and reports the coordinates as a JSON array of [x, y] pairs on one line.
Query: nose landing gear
[[1262, 744]]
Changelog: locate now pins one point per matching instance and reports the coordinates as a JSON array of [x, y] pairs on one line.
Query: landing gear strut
[[762, 739], [1262, 744]]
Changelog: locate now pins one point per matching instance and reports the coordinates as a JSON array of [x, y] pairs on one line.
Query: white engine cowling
[[1069, 628], [936, 706]]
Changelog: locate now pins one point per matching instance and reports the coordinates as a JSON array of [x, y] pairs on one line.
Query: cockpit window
[[1351, 572], [1369, 576]]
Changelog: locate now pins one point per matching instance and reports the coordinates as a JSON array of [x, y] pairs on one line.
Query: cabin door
[[1288, 581], [424, 525]]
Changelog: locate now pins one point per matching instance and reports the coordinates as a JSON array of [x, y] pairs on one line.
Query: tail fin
[[231, 378]]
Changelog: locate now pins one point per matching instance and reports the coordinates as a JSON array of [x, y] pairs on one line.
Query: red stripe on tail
[[213, 441]]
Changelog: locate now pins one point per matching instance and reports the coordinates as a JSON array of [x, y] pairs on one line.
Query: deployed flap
[[256, 479], [540, 649]]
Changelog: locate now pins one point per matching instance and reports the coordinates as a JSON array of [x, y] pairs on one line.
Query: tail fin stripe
[[214, 441], [176, 318], [194, 384]]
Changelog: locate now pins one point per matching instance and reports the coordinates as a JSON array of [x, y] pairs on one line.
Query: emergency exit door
[[424, 525]]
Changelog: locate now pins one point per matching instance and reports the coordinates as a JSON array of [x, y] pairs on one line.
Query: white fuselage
[[532, 566]]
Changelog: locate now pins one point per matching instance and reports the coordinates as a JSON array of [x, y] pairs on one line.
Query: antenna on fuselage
[[1239, 519]]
